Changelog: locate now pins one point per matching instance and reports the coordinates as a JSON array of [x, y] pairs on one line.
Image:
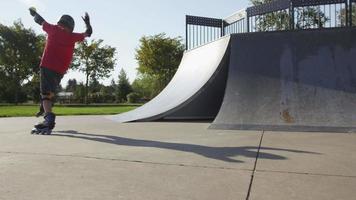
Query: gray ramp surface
[[196, 90], [291, 81]]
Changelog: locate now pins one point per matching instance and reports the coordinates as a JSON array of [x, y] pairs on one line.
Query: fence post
[[350, 10], [186, 32], [222, 33], [347, 21], [291, 14], [248, 20]]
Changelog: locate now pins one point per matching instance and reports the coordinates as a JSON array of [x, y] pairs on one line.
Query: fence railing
[[328, 13], [201, 30], [236, 23], [259, 17], [275, 16], [352, 13]]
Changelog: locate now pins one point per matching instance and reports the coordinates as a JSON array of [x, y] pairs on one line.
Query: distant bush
[[133, 97]]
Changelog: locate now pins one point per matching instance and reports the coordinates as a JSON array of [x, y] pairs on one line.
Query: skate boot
[[41, 110], [46, 127]]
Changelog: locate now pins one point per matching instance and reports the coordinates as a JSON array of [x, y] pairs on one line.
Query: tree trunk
[[16, 96], [16, 92], [86, 89]]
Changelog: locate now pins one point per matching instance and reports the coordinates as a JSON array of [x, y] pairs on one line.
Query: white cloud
[[38, 4]]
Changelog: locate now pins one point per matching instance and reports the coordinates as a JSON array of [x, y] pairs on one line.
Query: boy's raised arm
[[89, 30], [38, 19]]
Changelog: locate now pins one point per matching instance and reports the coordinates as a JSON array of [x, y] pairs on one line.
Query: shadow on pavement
[[218, 153]]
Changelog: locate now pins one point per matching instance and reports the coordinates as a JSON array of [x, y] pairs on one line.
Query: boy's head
[[66, 22]]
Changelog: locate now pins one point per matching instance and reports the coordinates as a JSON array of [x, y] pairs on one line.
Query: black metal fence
[[275, 16], [236, 23], [329, 14], [269, 17], [201, 30], [352, 13]]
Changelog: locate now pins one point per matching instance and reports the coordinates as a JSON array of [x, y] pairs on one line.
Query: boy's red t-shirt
[[58, 53]]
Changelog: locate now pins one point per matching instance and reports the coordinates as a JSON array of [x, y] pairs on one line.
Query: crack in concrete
[[306, 173], [126, 160], [181, 165], [254, 167]]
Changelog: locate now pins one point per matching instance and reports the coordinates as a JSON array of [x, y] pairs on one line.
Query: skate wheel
[[49, 132], [41, 131], [33, 131], [45, 132]]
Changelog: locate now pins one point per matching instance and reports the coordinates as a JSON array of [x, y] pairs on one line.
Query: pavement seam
[[306, 173], [126, 160], [254, 167]]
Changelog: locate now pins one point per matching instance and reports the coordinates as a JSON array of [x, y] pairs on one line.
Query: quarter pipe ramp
[[195, 92]]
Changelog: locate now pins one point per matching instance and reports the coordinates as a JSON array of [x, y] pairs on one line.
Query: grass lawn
[[31, 110]]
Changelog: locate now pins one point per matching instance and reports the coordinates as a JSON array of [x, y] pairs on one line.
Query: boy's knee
[[47, 96]]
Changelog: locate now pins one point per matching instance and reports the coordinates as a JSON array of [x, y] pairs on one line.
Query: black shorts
[[50, 80]]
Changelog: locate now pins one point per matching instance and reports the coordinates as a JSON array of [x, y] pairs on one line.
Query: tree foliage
[[123, 87], [305, 18], [146, 86], [342, 16], [71, 85], [20, 54], [133, 97], [32, 89], [353, 15], [94, 60], [159, 56]]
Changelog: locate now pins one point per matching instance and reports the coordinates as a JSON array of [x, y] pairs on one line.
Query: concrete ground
[[91, 157]]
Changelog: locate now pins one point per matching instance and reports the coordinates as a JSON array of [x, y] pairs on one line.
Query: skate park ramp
[[291, 81], [195, 92]]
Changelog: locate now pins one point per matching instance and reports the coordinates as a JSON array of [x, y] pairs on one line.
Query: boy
[[55, 62]]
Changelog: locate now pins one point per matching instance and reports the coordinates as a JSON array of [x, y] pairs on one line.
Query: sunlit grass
[[31, 110]]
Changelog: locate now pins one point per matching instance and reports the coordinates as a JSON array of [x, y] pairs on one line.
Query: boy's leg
[[47, 102], [47, 88], [50, 81], [41, 109]]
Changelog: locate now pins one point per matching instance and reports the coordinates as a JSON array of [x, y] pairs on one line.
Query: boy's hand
[[89, 30], [38, 19], [33, 11], [86, 19]]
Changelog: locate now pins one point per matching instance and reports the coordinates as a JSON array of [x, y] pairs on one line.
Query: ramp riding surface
[[195, 92], [291, 81]]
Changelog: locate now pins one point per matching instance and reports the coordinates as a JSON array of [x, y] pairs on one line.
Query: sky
[[120, 23]]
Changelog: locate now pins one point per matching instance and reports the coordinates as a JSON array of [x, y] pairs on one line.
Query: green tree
[[353, 15], [20, 54], [159, 56], [94, 86], [79, 93], [145, 86], [107, 94], [342, 16], [308, 17], [95, 60], [71, 85], [133, 97], [94, 91], [123, 87], [5, 91], [112, 86], [32, 89]]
